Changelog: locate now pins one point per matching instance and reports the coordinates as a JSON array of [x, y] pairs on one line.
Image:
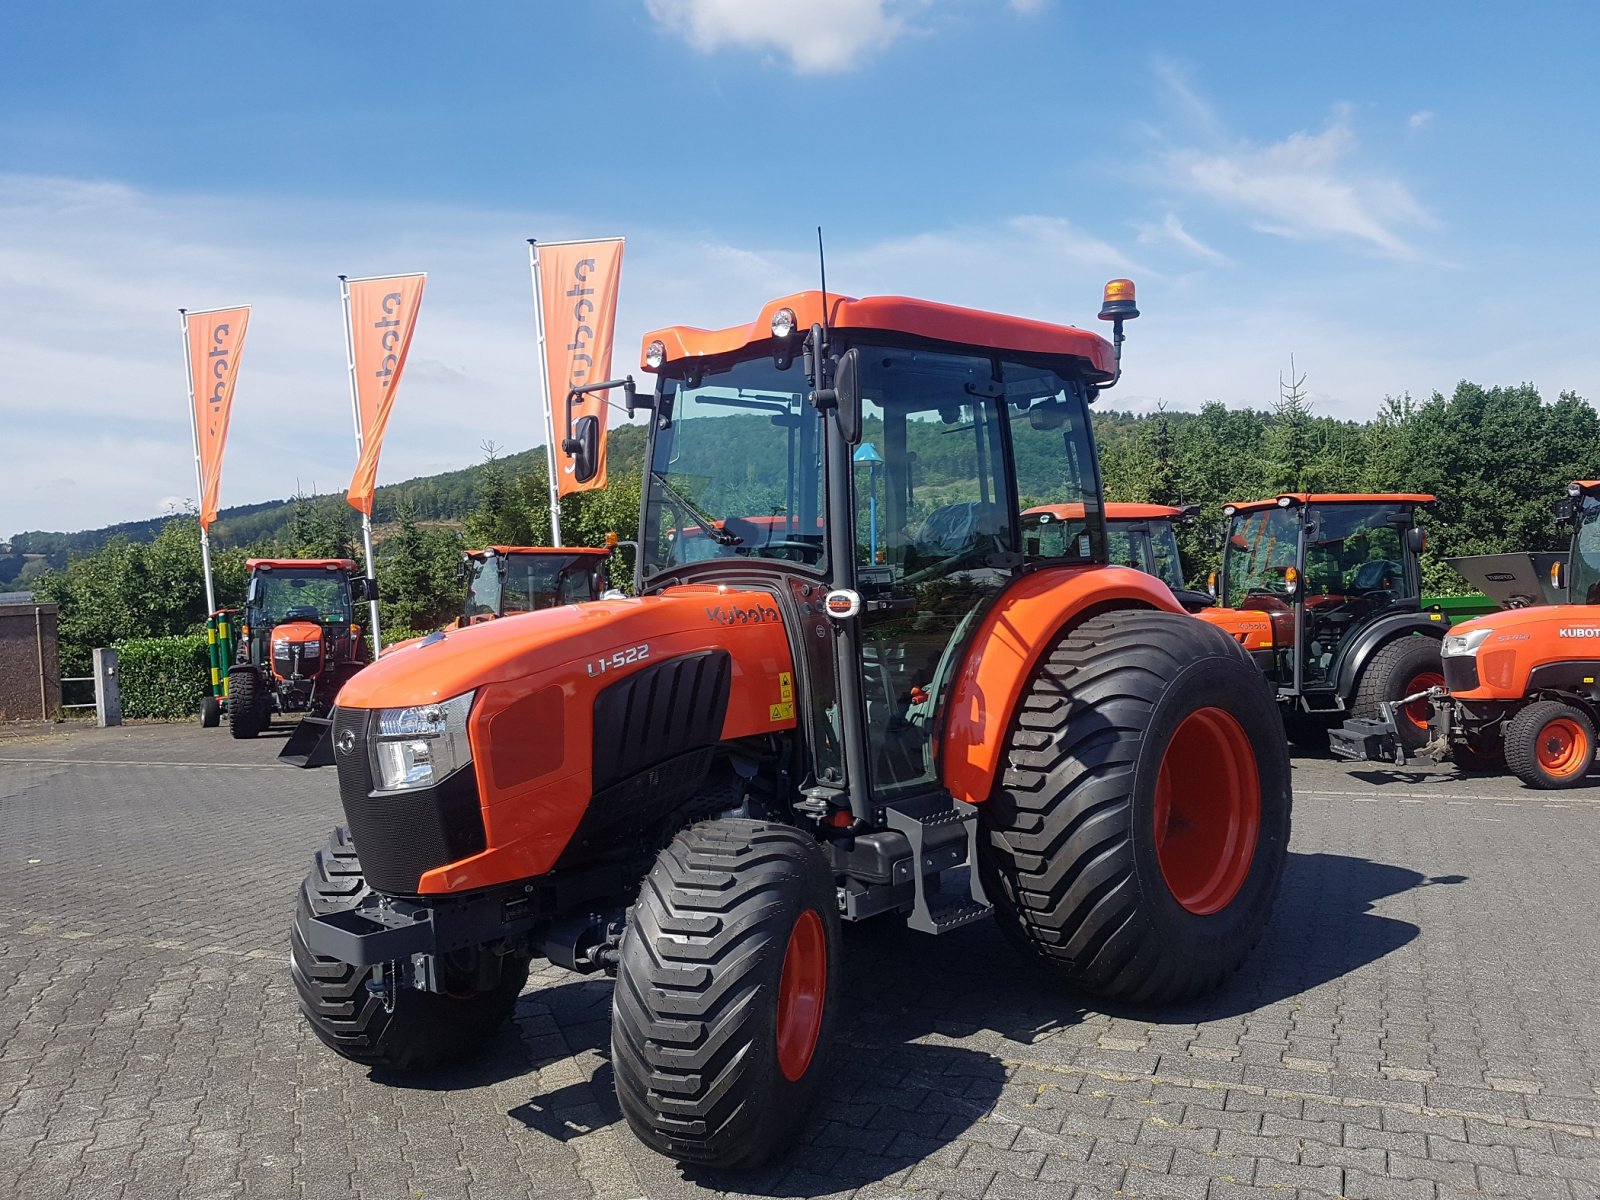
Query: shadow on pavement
[[898, 1091]]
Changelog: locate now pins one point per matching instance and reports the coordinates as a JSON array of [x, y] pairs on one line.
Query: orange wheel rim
[[801, 993], [1418, 711], [1563, 747], [1207, 811]]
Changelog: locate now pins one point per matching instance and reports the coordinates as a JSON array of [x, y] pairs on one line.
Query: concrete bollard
[[107, 690]]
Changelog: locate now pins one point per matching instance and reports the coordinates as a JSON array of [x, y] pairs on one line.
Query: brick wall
[[27, 633]]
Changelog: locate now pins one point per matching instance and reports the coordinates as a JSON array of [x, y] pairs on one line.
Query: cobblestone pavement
[[1420, 1020]]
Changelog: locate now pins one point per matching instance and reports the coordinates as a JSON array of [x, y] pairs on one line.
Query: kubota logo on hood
[[1589, 631]]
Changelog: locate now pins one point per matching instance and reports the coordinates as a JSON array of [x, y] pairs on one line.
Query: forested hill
[[448, 497]]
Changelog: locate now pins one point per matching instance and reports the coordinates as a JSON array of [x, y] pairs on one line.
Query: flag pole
[[199, 481], [549, 400], [355, 413]]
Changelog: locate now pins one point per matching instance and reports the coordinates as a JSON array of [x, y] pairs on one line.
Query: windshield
[[737, 469], [1167, 566], [515, 583], [1261, 546], [1584, 586], [322, 596]]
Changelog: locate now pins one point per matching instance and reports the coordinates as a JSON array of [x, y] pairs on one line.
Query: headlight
[[417, 747], [280, 645], [313, 649], [1458, 644]]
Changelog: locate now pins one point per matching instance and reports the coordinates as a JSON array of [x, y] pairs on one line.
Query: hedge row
[[163, 677]]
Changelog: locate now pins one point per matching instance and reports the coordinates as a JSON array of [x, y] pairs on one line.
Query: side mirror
[[1416, 539], [252, 591], [1563, 511], [583, 447], [363, 589], [847, 389], [461, 569]]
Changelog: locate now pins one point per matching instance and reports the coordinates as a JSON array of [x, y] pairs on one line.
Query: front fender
[[1020, 626], [1360, 649]]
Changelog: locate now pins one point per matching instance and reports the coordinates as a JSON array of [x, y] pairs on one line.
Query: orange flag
[[214, 340], [578, 307], [379, 317]]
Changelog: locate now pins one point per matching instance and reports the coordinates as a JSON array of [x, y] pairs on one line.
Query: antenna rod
[[822, 267]]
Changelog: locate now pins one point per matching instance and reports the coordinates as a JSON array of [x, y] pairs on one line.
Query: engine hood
[[297, 631], [1576, 621], [1251, 628]]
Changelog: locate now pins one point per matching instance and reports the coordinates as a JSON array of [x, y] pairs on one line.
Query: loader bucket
[[310, 745]]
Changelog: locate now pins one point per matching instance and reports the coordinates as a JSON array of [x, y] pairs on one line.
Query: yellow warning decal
[[785, 687], [781, 712]]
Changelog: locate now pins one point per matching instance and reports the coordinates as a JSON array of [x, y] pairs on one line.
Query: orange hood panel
[[1251, 628]]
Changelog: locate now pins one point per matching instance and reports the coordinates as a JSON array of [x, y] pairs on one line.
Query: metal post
[[199, 481], [38, 646], [355, 412], [107, 691], [549, 400]]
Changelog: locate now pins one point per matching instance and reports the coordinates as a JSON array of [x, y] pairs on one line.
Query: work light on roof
[[1285, 501], [1574, 490], [1228, 510], [783, 322], [655, 354]]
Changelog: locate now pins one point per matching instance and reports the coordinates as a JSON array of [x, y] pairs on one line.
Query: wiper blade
[[721, 536]]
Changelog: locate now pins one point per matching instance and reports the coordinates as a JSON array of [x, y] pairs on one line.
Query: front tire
[[247, 704], [1137, 839], [1396, 670], [426, 1029], [1550, 745], [726, 993]]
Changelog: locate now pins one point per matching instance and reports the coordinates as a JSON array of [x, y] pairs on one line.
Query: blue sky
[[1399, 195]]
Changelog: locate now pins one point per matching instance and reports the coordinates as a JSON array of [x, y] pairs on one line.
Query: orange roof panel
[[1116, 510], [1336, 498], [307, 564]]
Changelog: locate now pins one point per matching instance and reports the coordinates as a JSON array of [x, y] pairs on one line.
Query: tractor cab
[[1141, 536], [504, 580], [298, 620]]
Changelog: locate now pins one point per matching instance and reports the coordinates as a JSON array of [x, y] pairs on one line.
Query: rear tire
[[426, 1029], [726, 993], [1550, 745], [1137, 839], [247, 704], [1396, 670], [210, 712]]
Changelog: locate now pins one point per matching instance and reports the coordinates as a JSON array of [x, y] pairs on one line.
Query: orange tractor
[[1141, 536], [298, 642], [1519, 686], [874, 699], [1324, 592]]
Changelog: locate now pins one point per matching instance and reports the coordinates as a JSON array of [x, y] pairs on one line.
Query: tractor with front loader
[[1141, 536], [298, 644], [1519, 690], [864, 695], [1324, 593]]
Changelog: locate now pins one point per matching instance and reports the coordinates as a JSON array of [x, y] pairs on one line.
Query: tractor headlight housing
[[313, 649], [1457, 645], [417, 747], [280, 645]]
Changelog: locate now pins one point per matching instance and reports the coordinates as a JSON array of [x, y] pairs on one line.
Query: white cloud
[[1420, 119], [1304, 187], [1171, 230], [816, 36]]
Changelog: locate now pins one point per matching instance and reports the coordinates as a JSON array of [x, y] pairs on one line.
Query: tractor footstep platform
[[943, 914]]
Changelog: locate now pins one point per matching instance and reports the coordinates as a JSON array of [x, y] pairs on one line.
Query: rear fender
[[1358, 651], [1016, 632]]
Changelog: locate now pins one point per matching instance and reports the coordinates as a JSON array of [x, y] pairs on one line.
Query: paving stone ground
[[1421, 1020]]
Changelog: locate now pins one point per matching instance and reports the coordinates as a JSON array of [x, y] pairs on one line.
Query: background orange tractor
[[1323, 591], [298, 644], [871, 697], [1141, 536], [1519, 687], [502, 580]]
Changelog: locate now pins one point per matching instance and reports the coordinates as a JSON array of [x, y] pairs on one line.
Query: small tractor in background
[[1519, 688], [1324, 591], [297, 645], [875, 699], [1141, 536]]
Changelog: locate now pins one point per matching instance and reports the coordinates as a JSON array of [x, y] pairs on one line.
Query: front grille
[[1461, 673], [402, 835]]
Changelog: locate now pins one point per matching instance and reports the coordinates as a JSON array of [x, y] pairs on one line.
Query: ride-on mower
[[1519, 686], [1323, 591], [873, 698], [298, 645], [1141, 536]]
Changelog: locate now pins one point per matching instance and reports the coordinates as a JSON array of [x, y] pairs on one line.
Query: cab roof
[[895, 314], [304, 564], [562, 550], [1116, 510], [1333, 498]]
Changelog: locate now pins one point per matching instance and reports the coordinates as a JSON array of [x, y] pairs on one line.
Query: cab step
[[927, 820]]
